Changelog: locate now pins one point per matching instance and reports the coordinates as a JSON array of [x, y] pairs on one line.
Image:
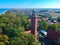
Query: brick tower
[[34, 23]]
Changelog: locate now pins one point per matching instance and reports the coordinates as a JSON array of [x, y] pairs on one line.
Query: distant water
[[2, 11]]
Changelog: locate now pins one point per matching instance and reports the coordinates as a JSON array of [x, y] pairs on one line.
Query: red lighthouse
[[34, 23]]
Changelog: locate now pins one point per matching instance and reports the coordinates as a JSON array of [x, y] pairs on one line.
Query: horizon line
[[29, 8]]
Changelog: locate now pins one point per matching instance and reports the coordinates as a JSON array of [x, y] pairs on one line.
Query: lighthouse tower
[[34, 23]]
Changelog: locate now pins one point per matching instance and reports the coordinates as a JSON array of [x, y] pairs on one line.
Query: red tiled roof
[[28, 32]]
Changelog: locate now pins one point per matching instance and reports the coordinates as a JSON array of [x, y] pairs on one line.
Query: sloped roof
[[44, 32], [28, 32]]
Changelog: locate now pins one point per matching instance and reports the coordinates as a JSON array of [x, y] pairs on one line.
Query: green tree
[[58, 19], [10, 24], [58, 28], [55, 26], [14, 27], [4, 39], [43, 25], [32, 40], [25, 22]]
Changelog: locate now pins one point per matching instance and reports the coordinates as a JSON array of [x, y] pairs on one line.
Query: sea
[[2, 11]]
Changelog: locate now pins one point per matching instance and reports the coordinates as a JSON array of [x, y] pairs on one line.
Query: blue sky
[[29, 3]]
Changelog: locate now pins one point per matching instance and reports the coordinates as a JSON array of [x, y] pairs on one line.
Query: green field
[[55, 15]]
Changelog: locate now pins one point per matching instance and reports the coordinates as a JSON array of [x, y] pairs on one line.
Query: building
[[34, 23], [55, 36]]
